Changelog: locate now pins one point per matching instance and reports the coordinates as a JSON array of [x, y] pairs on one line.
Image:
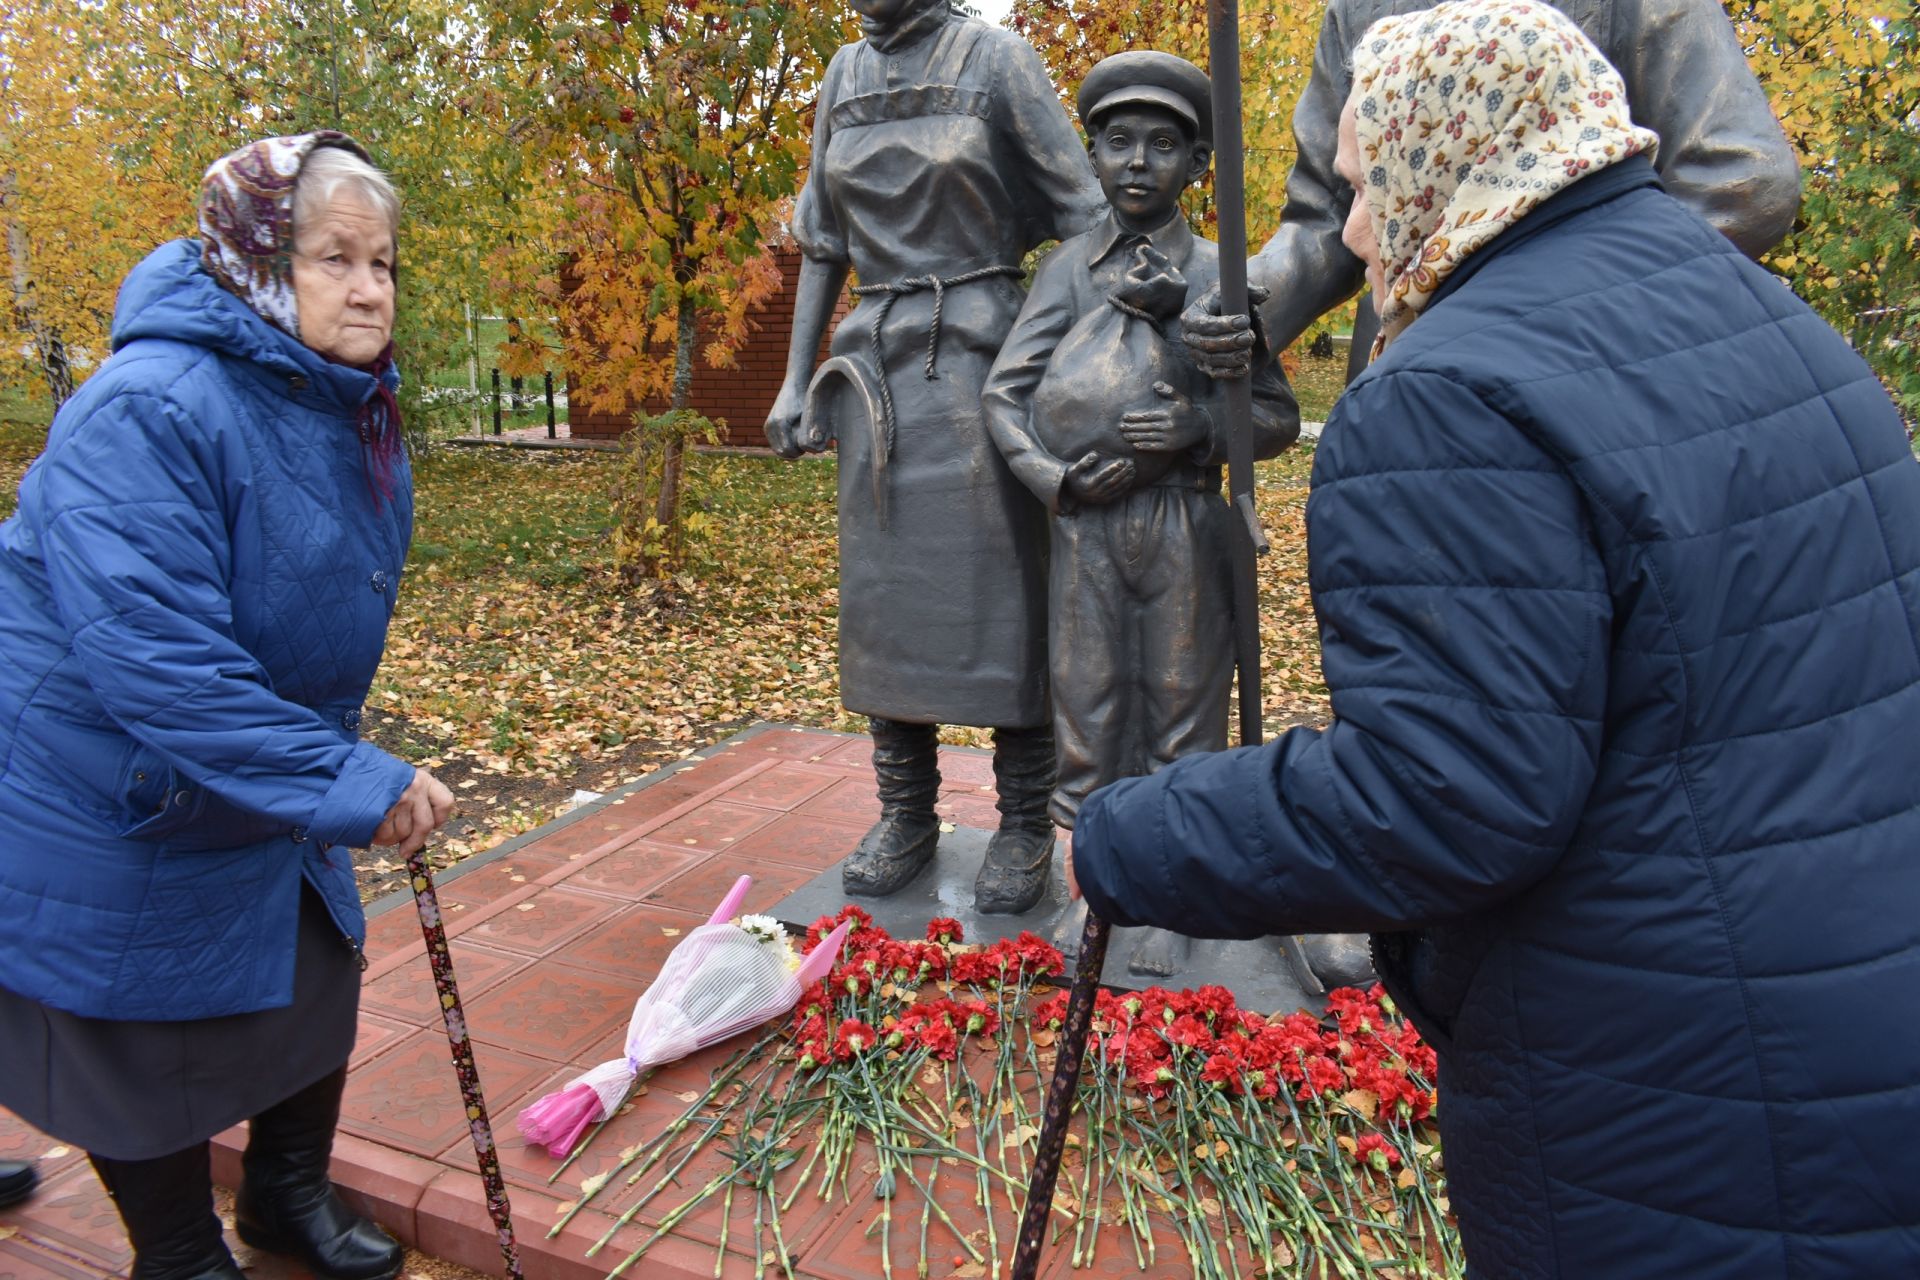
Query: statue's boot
[[907, 767], [1013, 877], [1161, 953], [1338, 959]]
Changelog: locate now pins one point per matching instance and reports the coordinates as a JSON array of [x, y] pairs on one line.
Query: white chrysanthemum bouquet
[[724, 977]]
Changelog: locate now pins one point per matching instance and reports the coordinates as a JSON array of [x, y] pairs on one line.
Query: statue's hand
[[1222, 346], [1095, 480], [784, 424], [1175, 425]]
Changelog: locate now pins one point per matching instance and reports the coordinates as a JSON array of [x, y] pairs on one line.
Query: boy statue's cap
[[1157, 79]]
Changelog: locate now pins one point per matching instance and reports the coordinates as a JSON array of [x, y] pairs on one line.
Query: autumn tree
[[114, 108], [672, 131], [1844, 76]]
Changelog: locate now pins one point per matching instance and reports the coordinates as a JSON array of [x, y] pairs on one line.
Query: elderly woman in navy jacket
[[196, 589], [1616, 553]]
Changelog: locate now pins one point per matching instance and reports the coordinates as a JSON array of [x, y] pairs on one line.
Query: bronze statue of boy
[[1101, 413]]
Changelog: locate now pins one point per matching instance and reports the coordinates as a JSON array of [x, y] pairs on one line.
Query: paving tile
[[852, 753], [644, 1116], [700, 890], [844, 1250], [790, 742], [72, 1214], [783, 786], [453, 1224], [968, 768], [376, 1035], [392, 931], [805, 1220], [849, 800], [969, 811], [630, 946], [21, 1141], [583, 835], [408, 1098], [497, 879], [631, 871], [803, 840], [542, 923], [550, 1010], [22, 1259], [713, 827], [408, 993]]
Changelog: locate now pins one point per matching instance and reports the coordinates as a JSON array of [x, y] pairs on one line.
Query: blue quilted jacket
[[1616, 554], [194, 594]]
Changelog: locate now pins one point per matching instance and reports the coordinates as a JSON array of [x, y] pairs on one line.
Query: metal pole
[[496, 402], [550, 430], [1230, 208]]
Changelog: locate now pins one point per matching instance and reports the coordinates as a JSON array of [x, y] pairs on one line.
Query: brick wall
[[739, 398]]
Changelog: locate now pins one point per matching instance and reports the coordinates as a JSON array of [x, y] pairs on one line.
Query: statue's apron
[[942, 552]]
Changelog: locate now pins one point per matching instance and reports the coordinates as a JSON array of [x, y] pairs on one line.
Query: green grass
[[24, 416]]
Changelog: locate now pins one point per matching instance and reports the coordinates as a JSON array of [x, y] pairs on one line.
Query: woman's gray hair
[[329, 169]]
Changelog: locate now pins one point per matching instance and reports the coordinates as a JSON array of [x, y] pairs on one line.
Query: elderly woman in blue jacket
[[1616, 554], [195, 591]]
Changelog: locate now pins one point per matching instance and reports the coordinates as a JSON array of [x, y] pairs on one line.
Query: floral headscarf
[[1469, 115], [246, 221]]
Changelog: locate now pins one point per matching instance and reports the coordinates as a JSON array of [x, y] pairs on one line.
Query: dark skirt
[[140, 1090]]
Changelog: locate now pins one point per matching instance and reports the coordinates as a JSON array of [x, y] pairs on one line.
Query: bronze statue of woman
[[942, 156]]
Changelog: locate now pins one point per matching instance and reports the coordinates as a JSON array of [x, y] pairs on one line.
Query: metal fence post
[[496, 402], [550, 430]]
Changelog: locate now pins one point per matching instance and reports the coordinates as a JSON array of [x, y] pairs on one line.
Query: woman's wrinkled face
[[1358, 234], [343, 280]]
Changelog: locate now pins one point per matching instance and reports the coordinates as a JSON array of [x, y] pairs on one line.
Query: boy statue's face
[[1145, 156]]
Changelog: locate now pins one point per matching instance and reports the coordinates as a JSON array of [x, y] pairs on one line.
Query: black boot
[[287, 1204], [18, 1178], [1013, 877], [906, 764], [167, 1206]]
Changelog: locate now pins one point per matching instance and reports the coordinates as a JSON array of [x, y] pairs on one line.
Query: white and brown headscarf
[[1469, 115]]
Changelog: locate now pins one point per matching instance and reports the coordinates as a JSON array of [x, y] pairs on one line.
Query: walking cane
[[441, 962], [1230, 205]]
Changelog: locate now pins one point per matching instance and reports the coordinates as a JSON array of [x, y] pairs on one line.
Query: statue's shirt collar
[[1172, 237]]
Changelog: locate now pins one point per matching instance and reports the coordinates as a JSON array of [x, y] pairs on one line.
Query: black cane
[[1230, 206]]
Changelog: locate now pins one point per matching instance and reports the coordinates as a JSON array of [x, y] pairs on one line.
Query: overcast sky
[[993, 10]]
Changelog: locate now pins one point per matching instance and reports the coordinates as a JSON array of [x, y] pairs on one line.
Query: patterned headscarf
[[246, 221], [1469, 115]]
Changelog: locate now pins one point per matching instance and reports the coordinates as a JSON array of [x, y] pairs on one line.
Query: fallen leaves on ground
[[519, 669]]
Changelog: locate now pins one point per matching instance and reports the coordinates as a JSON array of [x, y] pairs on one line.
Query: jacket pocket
[[163, 806]]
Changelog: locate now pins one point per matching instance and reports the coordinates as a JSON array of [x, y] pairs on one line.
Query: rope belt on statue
[[893, 291]]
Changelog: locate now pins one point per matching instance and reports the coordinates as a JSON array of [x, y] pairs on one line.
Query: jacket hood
[[171, 296]]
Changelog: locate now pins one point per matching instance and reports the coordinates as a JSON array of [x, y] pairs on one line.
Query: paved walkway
[[554, 934]]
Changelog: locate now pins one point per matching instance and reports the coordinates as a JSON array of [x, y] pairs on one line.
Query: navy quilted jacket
[[1616, 554], [194, 593]]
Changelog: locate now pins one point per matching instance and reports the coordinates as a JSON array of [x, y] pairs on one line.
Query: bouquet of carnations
[[723, 978]]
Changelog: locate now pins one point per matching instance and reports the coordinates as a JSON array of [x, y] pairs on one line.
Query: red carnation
[[945, 930], [853, 1037], [1375, 1150]]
